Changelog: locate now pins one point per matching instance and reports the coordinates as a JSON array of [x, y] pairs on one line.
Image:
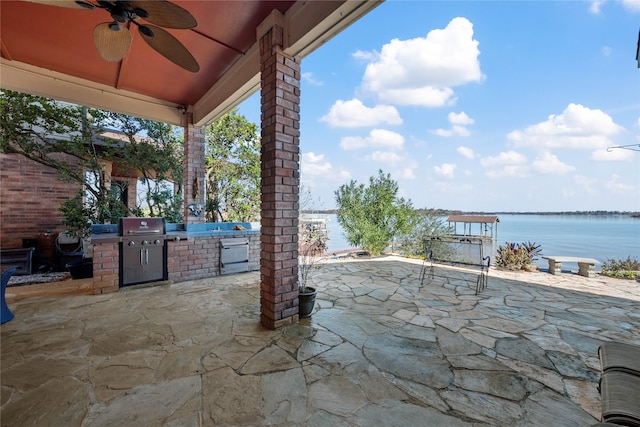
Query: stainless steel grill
[[143, 253]]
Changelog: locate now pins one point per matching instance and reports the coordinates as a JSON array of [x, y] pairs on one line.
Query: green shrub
[[622, 269], [427, 226], [517, 256]]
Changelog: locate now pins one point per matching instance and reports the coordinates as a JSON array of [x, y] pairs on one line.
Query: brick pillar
[[106, 268], [132, 190], [107, 169], [280, 159], [194, 167]]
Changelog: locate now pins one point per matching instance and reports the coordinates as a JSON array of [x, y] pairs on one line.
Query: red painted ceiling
[[48, 50], [60, 39]]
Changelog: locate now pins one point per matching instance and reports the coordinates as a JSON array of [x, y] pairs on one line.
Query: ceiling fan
[[113, 39]]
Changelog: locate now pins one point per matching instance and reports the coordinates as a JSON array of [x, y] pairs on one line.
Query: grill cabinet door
[[153, 267], [143, 261]]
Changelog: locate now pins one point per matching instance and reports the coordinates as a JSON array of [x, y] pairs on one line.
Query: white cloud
[[595, 6], [618, 187], [366, 56], [312, 164], [460, 119], [379, 138], [577, 127], [407, 174], [466, 152], [460, 130], [445, 169], [612, 155], [548, 163], [442, 132], [458, 125], [386, 157], [585, 183], [508, 171], [423, 71], [583, 180], [423, 96], [354, 113], [308, 77], [631, 5], [504, 158], [506, 164]]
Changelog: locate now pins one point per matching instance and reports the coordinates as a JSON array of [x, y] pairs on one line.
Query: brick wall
[[30, 195], [198, 258]]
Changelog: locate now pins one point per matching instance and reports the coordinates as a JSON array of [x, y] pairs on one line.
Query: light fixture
[[638, 50]]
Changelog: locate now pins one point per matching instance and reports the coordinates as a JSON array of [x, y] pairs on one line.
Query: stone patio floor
[[379, 350]]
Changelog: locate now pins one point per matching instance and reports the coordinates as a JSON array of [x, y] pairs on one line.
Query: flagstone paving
[[381, 349]]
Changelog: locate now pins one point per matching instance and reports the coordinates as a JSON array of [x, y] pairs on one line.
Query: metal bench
[[586, 266], [459, 251]]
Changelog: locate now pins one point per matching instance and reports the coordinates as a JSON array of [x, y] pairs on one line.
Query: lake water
[[592, 236]]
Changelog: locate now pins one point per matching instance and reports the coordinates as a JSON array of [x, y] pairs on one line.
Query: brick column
[[280, 159], [106, 268], [132, 188], [194, 167]]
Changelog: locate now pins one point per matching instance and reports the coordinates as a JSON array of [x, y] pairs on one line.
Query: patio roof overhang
[[48, 51]]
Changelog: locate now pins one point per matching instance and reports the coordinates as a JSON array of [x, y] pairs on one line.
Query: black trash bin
[[81, 269]]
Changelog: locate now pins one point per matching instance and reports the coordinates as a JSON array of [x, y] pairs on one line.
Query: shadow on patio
[[379, 350]]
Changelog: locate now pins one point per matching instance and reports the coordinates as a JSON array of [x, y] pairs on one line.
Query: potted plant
[[79, 215], [312, 242]]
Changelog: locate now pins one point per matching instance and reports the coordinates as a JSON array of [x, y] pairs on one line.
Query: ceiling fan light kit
[[112, 45]]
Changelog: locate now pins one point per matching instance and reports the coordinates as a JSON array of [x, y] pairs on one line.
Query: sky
[[485, 106]]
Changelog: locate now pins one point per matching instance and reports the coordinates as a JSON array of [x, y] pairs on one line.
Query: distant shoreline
[[444, 212]]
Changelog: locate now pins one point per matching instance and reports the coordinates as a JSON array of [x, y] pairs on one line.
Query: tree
[[157, 158], [428, 224], [42, 129], [233, 168], [371, 216]]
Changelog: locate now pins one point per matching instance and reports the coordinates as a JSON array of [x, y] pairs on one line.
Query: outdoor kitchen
[[148, 251]]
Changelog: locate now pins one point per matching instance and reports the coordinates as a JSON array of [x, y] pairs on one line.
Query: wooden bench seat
[[586, 266]]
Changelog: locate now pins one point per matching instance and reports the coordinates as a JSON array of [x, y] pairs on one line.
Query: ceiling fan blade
[[166, 14], [71, 4], [169, 47], [111, 45]]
